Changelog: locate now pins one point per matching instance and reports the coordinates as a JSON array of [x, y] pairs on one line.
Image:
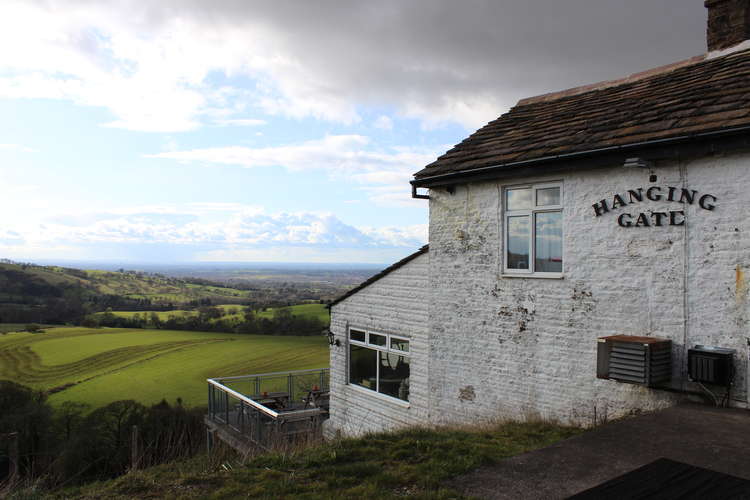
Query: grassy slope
[[304, 310], [416, 463], [146, 365], [16, 327]]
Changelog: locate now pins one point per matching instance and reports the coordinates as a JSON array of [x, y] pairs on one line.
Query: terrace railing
[[270, 408]]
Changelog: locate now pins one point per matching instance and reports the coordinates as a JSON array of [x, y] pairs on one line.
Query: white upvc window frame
[[531, 213], [386, 348]]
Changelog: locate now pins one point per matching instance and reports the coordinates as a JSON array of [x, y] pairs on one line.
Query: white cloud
[[383, 122], [201, 229], [164, 66], [241, 122], [16, 147], [383, 173]]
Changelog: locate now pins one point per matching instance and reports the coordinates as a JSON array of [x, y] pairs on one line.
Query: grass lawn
[[305, 310], [417, 463], [110, 364]]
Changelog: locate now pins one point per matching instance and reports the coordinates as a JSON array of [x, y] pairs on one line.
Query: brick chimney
[[728, 23]]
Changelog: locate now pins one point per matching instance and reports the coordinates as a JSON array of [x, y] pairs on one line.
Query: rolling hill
[[98, 366]]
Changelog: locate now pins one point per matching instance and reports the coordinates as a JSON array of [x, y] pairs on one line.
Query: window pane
[[357, 335], [548, 247], [377, 340], [362, 366], [547, 196], [400, 345], [518, 242], [518, 199], [394, 375]]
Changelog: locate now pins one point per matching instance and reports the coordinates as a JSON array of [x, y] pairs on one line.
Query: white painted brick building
[[617, 209]]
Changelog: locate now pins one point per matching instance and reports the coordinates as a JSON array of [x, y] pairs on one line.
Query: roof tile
[[698, 95]]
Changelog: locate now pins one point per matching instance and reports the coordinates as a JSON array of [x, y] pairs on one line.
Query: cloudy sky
[[275, 131]]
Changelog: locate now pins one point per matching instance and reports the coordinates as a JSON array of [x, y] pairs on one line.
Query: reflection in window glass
[[363, 366], [357, 335], [377, 339], [400, 345], [547, 196], [518, 199], [548, 242], [518, 242], [394, 375]]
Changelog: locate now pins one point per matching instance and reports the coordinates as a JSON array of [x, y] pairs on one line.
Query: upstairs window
[[533, 229]]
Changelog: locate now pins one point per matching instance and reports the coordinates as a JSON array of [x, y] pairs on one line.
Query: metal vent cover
[[711, 365], [634, 360]]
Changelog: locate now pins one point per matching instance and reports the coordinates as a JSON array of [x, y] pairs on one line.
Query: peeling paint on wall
[[467, 393]]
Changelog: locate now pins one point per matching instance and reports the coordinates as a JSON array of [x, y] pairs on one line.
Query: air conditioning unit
[[711, 365], [634, 360]]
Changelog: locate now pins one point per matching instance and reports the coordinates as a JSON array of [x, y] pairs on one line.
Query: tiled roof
[[703, 94], [381, 274]]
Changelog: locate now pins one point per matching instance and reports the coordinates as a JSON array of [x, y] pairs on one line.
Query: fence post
[[226, 407], [134, 452], [290, 388]]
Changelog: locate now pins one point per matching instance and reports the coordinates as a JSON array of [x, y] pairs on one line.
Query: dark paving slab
[[717, 439], [665, 479]]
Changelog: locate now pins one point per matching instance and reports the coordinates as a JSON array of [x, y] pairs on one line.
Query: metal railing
[[270, 407]]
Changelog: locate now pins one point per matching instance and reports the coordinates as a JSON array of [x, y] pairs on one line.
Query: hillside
[[98, 366], [233, 312], [31, 293], [25, 279], [417, 463]]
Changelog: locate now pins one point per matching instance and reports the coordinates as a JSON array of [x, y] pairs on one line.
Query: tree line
[[69, 445], [216, 319]]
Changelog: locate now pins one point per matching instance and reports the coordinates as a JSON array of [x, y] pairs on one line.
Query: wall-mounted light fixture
[[332, 340], [637, 162]]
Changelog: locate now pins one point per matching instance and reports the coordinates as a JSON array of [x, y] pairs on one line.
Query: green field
[[17, 327], [305, 310], [146, 365]]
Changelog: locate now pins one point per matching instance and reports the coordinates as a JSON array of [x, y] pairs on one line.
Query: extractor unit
[[635, 360], [711, 365]]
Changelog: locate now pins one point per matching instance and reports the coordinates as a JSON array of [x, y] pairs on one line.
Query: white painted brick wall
[[395, 304], [512, 347], [486, 346]]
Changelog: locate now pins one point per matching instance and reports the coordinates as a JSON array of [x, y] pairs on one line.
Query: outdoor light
[[332, 340], [637, 163]]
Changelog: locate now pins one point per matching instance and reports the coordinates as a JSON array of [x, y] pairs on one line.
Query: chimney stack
[[728, 23]]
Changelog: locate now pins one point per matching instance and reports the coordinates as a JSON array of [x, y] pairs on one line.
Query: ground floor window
[[379, 362]]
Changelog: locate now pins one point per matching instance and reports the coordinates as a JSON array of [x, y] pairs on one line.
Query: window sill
[[544, 276], [369, 392]]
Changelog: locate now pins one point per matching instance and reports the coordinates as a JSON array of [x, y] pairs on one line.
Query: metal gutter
[[446, 178]]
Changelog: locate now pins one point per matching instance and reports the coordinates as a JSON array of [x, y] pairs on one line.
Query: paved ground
[[713, 438]]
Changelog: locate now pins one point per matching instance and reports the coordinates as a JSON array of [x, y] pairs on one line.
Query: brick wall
[[395, 304], [518, 347], [728, 23]]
